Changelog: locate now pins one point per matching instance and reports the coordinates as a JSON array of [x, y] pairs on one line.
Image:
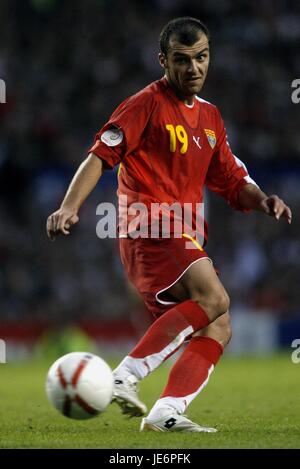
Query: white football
[[80, 385]]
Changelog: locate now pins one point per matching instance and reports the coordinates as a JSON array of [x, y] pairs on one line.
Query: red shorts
[[154, 265]]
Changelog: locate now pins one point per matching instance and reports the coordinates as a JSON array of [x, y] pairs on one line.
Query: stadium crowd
[[67, 64]]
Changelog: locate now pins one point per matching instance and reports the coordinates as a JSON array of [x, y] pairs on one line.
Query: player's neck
[[189, 100]]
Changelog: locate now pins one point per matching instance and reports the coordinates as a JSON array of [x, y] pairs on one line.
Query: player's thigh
[[201, 284]]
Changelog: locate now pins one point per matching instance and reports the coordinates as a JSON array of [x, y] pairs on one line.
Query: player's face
[[186, 66]]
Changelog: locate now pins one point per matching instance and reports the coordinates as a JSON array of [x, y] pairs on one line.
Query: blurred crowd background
[[67, 64]]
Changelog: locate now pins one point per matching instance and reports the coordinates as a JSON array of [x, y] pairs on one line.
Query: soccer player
[[170, 144]]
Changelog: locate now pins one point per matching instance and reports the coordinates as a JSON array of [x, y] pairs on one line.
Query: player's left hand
[[275, 207]]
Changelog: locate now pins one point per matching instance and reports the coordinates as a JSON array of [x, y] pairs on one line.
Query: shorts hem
[[167, 303]]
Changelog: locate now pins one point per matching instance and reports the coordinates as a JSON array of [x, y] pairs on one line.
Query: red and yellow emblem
[[211, 137]]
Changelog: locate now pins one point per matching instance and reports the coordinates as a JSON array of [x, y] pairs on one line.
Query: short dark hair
[[186, 30]]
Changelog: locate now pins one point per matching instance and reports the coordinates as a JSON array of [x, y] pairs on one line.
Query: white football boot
[[169, 420], [126, 396]]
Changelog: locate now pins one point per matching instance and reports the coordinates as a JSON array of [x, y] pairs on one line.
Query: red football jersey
[[169, 151]]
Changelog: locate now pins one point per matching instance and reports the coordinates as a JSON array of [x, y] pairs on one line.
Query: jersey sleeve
[[125, 130], [227, 174]]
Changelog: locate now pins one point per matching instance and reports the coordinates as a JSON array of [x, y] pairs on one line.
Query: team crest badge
[[211, 137]]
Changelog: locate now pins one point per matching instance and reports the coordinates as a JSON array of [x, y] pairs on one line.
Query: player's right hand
[[60, 222]]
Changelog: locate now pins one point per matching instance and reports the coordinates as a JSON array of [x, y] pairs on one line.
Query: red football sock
[[186, 315], [191, 371], [163, 338]]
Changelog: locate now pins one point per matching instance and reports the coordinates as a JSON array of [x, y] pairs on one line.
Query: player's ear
[[163, 60]]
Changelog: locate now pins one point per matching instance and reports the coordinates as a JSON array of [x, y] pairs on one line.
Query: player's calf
[[219, 330]]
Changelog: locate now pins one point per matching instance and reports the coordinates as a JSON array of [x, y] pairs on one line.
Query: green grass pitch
[[254, 403]]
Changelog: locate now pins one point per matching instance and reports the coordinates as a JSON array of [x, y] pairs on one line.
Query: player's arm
[[117, 138], [228, 176], [83, 182], [251, 197]]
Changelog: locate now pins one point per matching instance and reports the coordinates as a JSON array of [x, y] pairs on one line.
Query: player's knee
[[223, 303], [215, 305], [220, 329], [229, 335], [226, 329]]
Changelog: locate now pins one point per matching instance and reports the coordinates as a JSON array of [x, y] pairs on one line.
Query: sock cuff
[[209, 348], [194, 314]]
